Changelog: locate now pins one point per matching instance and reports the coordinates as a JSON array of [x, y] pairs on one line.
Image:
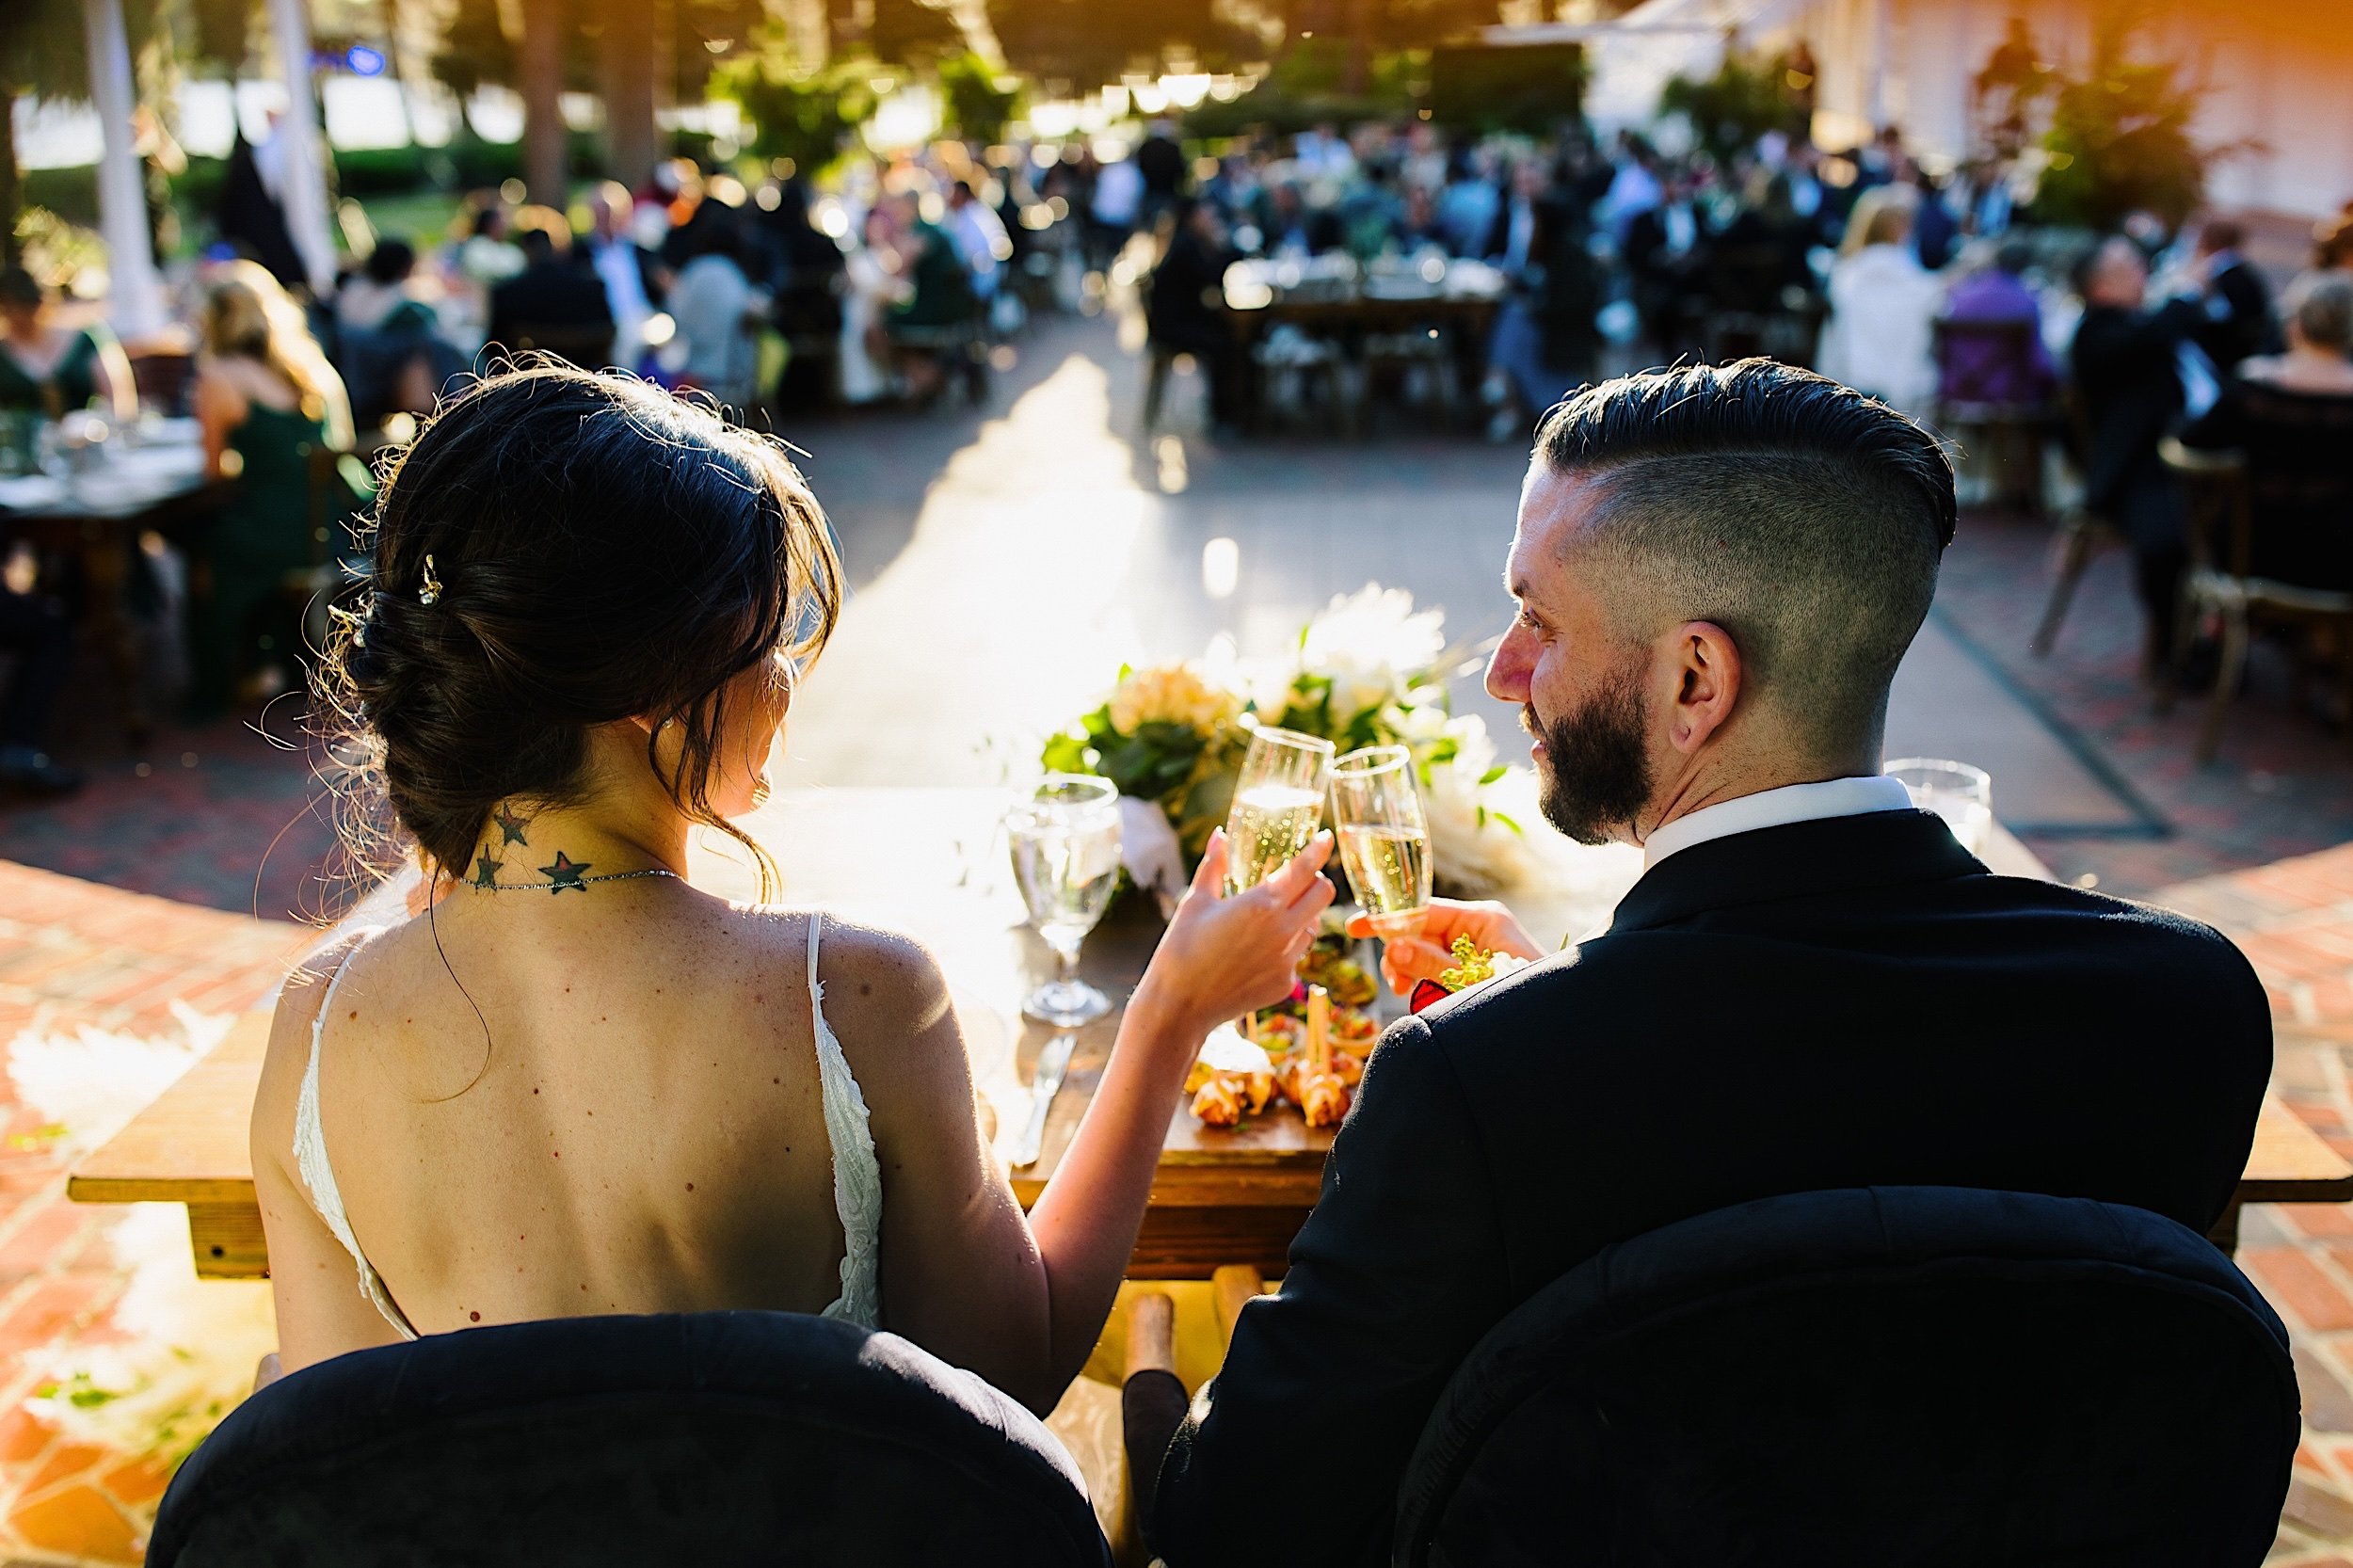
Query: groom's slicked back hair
[[1803, 517]]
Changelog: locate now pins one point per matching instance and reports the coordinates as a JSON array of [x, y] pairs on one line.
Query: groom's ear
[[1704, 666]]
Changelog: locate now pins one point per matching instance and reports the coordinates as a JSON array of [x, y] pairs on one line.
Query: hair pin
[[431, 593]]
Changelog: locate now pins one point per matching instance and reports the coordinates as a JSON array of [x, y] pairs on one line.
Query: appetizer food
[[1309, 1050]]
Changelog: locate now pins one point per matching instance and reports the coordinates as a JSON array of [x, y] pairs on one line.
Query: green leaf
[[1492, 773], [1506, 821]]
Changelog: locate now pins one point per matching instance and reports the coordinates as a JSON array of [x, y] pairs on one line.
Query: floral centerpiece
[[1370, 670]]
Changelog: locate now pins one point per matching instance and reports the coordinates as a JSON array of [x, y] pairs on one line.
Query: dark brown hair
[[600, 551], [1804, 518]]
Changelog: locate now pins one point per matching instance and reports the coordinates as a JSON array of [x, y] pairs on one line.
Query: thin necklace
[[566, 873]]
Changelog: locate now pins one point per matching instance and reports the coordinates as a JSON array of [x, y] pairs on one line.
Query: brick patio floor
[[74, 953]]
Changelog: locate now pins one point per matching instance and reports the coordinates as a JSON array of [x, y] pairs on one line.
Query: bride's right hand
[[1223, 956]]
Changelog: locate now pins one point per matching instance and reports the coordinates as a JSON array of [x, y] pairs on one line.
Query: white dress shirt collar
[[1791, 803]]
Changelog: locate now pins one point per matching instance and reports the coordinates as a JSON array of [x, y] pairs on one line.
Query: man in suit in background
[[2128, 364], [2239, 321], [1812, 985]]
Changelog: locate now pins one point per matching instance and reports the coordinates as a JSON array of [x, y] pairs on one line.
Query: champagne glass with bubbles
[[1385, 842], [1278, 804], [1066, 855]]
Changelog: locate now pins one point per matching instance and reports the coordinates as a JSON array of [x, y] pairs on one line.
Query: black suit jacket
[[2244, 327], [2130, 386], [1825, 1004]]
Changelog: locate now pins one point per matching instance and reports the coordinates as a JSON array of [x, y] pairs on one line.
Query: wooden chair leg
[[1237, 1284], [2230, 666], [2074, 550], [1155, 388], [2169, 679]]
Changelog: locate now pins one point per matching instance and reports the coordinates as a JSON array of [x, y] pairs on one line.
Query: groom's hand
[[1413, 947]]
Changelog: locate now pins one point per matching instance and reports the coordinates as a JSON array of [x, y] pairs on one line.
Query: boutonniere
[[1473, 966]]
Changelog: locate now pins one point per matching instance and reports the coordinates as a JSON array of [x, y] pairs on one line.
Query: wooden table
[[98, 518], [932, 863], [1347, 318]]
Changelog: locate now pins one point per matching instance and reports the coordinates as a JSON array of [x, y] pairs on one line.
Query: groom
[[1716, 570]]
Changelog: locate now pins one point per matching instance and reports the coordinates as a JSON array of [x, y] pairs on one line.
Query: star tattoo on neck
[[486, 872], [511, 826], [564, 873]]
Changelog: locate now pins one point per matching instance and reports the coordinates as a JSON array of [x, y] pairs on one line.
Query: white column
[[134, 294], [305, 196]]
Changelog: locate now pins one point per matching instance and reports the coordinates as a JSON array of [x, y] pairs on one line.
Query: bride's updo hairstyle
[[557, 550]]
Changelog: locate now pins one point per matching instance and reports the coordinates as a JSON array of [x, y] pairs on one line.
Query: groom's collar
[[1797, 859]]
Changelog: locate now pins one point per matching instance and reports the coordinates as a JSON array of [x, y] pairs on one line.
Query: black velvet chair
[[723, 1440], [1898, 1377]]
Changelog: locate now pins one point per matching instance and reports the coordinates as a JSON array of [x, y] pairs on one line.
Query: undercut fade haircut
[[1802, 517]]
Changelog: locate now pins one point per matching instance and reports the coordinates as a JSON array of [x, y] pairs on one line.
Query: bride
[[578, 1085]]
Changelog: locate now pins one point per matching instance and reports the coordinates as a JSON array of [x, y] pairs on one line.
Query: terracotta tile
[[2320, 1219], [64, 1461], [2294, 1280], [23, 1436], [52, 1308], [43, 1239], [79, 1521], [137, 1483]]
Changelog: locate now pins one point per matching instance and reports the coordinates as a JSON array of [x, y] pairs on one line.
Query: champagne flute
[[1066, 855], [1385, 842], [1278, 804]]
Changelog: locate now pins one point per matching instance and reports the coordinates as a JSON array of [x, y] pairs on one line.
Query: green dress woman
[[269, 401]]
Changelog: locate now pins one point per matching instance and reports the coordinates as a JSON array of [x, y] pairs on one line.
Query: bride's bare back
[[639, 1128]]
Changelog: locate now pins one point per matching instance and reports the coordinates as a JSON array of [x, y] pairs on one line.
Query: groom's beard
[[1594, 776]]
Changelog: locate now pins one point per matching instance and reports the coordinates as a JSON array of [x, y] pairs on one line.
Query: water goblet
[[1066, 857], [1961, 795]]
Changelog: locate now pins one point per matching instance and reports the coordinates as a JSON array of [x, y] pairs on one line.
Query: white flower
[[1373, 646], [1477, 850]]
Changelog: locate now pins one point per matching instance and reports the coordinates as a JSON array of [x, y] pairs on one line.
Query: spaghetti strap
[[318, 1171], [857, 1172]]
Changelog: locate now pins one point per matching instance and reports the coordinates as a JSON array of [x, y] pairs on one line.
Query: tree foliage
[[2118, 140], [978, 108], [804, 116], [1750, 94]]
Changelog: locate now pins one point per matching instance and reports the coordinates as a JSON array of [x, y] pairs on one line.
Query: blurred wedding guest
[[980, 238], [37, 634], [1185, 313], [1416, 226], [2127, 368], [2238, 321], [620, 266], [717, 311], [266, 398], [1935, 229], [1666, 257], [1467, 207], [1542, 338], [1160, 162], [555, 303], [487, 256], [811, 287], [591, 612], [1113, 211], [393, 356], [1878, 339], [2332, 242], [873, 284], [2291, 415], [49, 368], [1976, 369]]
